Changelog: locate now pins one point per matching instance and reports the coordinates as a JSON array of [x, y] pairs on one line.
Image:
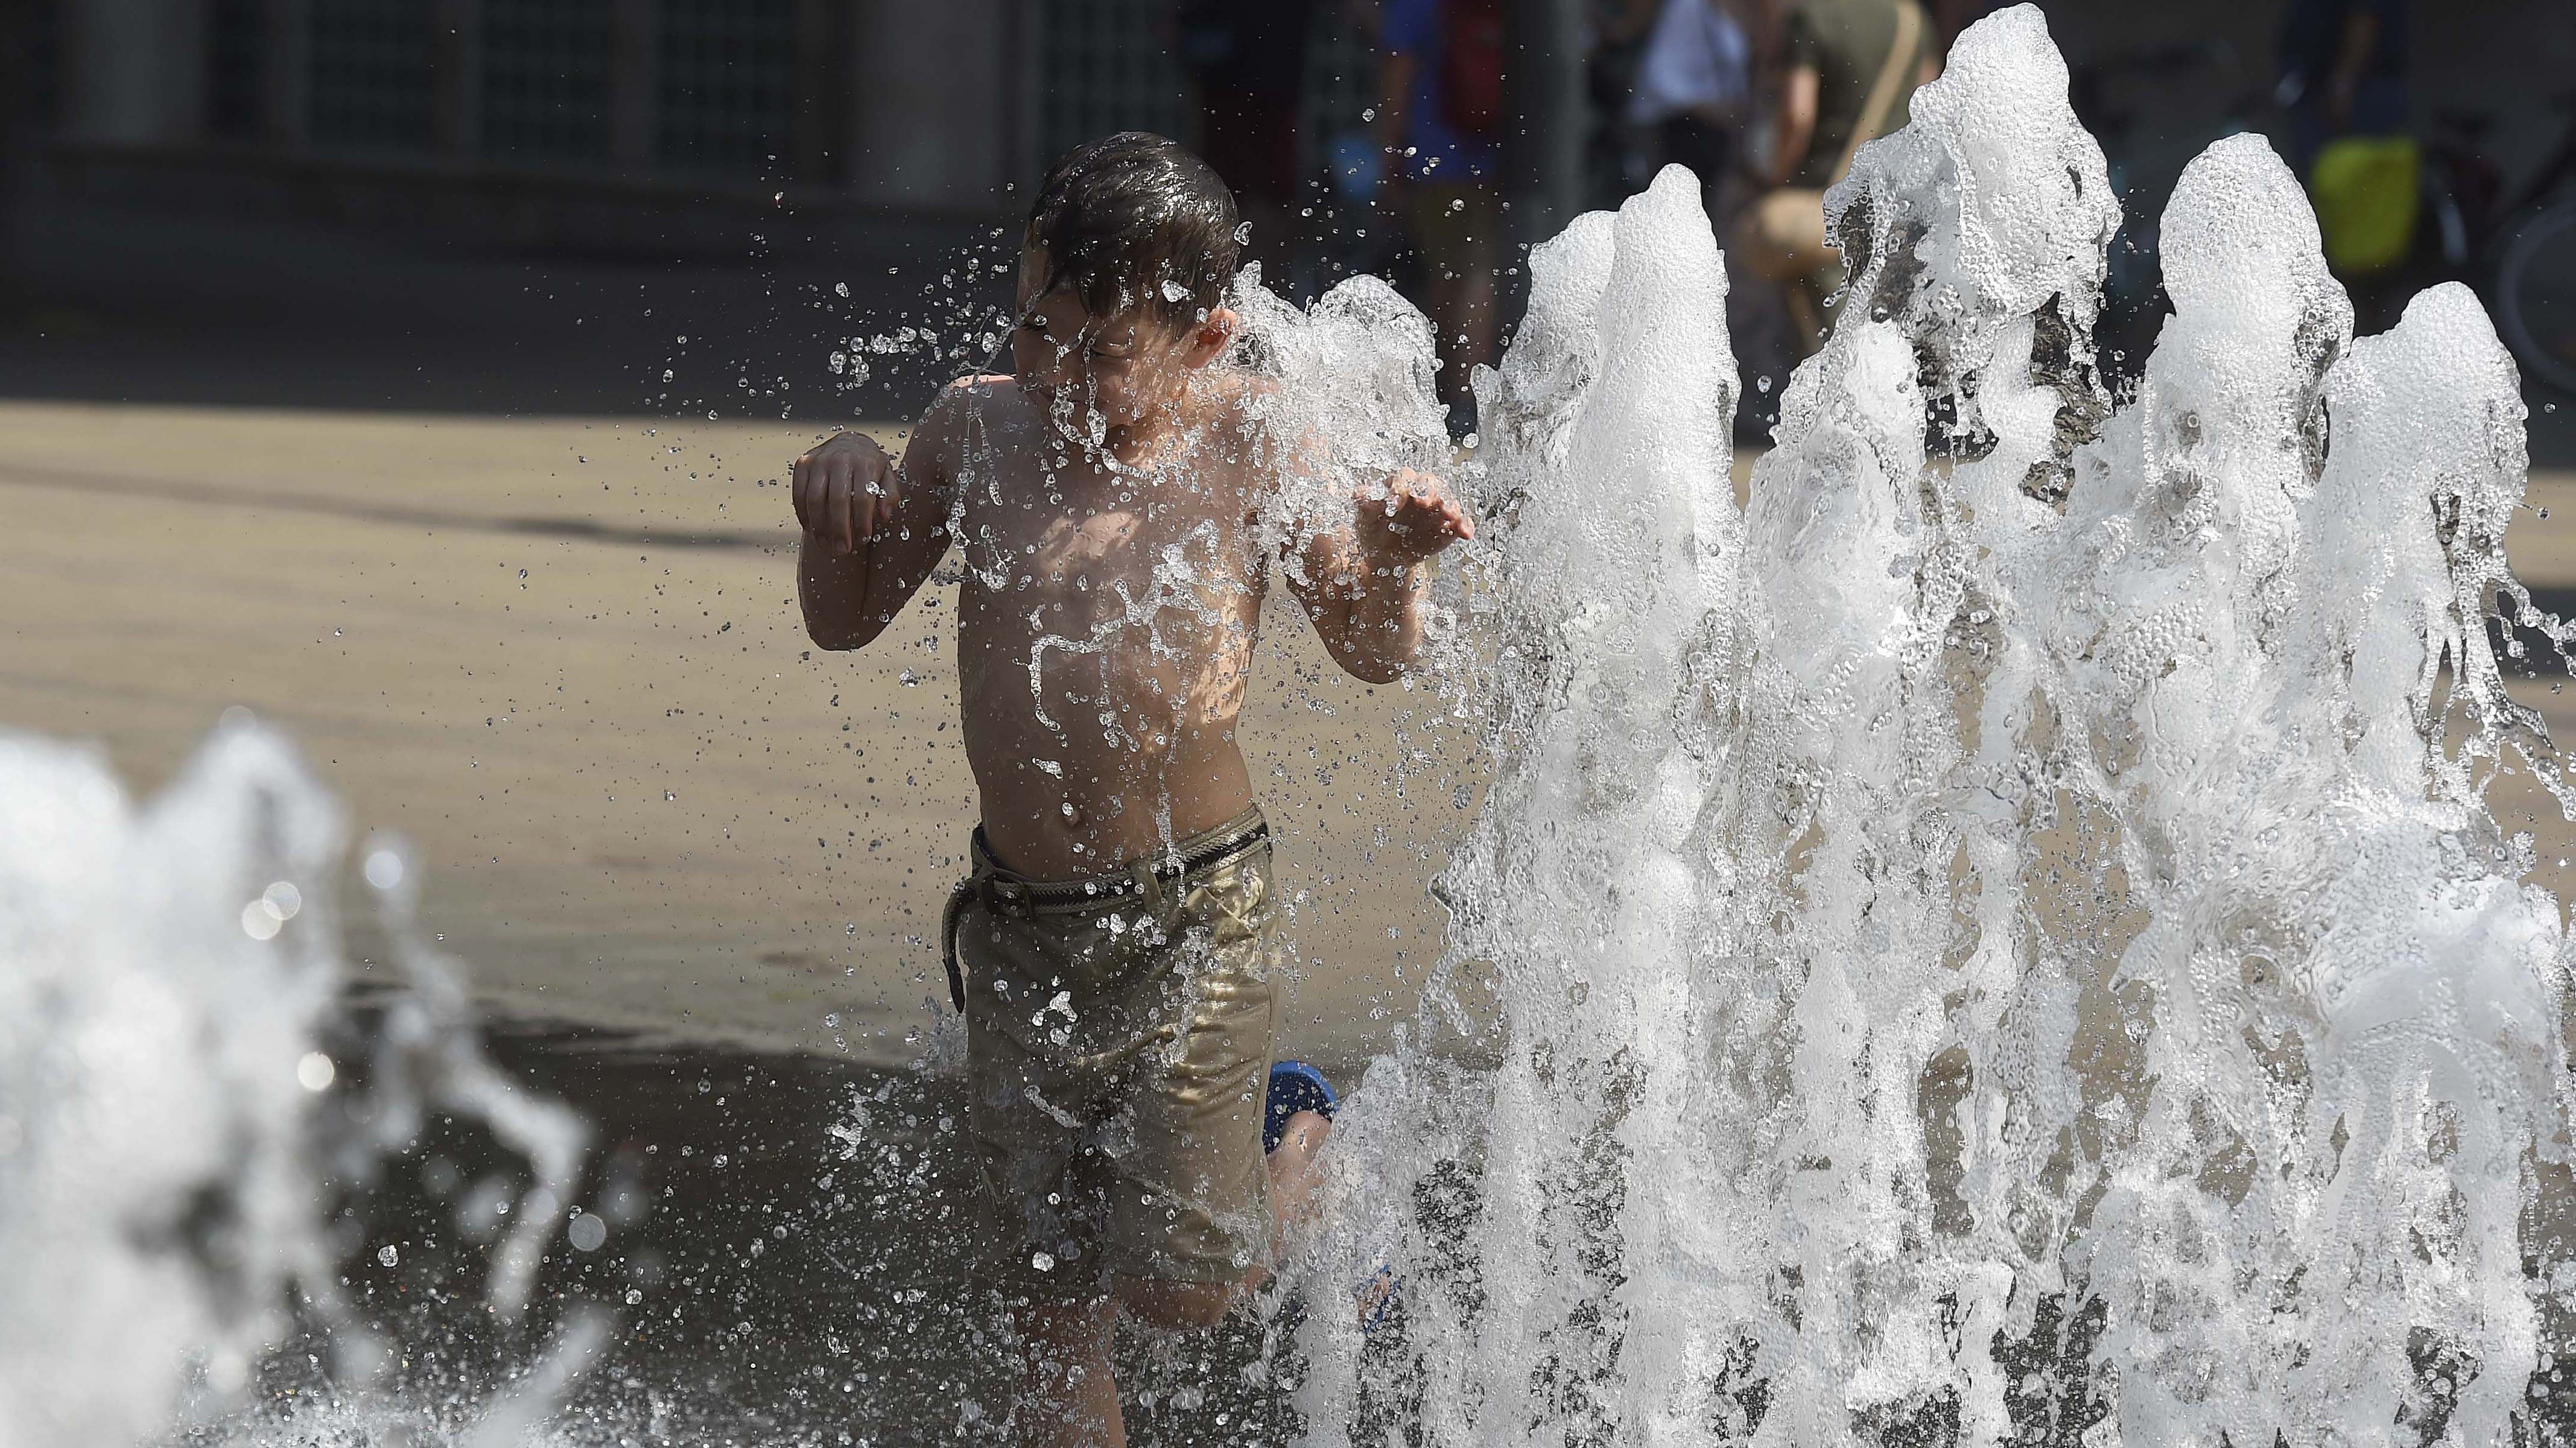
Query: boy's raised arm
[[874, 529], [1362, 583]]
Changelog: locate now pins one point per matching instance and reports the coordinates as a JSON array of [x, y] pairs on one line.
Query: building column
[[457, 72], [136, 71], [288, 80], [634, 66], [822, 91], [932, 136]]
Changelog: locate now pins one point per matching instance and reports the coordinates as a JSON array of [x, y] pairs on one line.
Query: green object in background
[[2364, 189]]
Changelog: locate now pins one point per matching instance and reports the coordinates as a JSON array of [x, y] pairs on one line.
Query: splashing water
[[1988, 946], [165, 1161], [1999, 939]]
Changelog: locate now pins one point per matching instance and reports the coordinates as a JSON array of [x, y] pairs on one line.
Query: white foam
[[1960, 897], [165, 1164]]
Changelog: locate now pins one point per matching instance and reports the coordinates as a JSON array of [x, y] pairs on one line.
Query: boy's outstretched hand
[[845, 491], [1412, 521]]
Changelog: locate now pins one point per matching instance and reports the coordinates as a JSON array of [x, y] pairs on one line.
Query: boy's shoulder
[[1242, 389], [981, 402], [1238, 405]]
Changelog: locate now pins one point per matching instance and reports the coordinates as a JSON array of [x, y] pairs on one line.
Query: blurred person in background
[[1848, 70], [1620, 155], [1441, 120], [2343, 67], [1694, 83], [1248, 61], [1953, 17]]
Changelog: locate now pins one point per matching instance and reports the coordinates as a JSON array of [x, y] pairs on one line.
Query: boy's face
[[1095, 373]]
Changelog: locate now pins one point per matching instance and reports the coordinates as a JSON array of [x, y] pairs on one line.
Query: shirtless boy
[[1116, 502]]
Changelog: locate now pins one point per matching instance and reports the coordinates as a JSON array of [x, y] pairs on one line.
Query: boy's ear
[[1211, 335]]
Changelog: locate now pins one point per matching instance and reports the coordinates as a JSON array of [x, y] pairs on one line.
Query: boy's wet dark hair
[[1121, 217]]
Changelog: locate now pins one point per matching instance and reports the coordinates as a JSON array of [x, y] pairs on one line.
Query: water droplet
[[1043, 1261], [1762, 384], [910, 679], [587, 1232], [384, 869], [315, 1072], [283, 898], [387, 1255], [840, 289], [259, 922]]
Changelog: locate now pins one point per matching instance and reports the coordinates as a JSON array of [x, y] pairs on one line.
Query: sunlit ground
[[563, 657]]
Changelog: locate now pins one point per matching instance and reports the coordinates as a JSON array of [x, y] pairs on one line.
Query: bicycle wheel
[[2536, 296]]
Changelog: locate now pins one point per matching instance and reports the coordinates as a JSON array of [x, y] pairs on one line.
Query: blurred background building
[[501, 203], [567, 121]]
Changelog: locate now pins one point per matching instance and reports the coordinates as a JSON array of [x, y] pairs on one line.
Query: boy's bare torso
[[1105, 629]]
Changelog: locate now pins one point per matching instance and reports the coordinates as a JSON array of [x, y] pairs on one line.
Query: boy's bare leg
[[1293, 1175], [1066, 1396], [1293, 1178]]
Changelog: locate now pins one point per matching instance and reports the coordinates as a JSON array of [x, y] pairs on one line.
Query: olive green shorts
[[1117, 1057]]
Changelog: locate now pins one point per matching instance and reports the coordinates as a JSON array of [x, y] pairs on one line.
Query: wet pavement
[[785, 1245]]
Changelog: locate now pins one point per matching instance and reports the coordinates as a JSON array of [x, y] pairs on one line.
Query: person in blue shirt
[[1441, 120]]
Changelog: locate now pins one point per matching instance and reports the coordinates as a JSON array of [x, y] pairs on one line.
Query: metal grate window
[[1109, 67], [727, 88], [371, 83], [546, 78]]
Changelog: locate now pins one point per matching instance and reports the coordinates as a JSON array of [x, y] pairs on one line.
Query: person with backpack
[[1849, 68], [1441, 121]]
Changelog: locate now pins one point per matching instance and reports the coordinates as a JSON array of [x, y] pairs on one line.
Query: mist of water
[[172, 1128], [1992, 944], [2001, 938]]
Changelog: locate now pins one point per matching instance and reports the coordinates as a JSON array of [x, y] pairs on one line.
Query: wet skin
[[1104, 635], [1110, 500]]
